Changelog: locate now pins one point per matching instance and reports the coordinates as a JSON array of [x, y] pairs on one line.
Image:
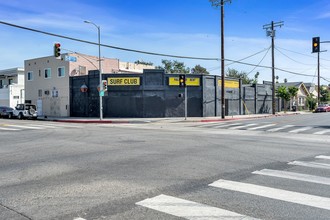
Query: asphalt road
[[165, 170]]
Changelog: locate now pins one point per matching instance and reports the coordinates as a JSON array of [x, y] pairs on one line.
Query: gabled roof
[[295, 84]]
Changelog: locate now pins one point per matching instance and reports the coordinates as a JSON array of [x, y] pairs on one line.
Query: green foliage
[[198, 69], [311, 102], [174, 67], [293, 91], [143, 63], [324, 92], [242, 75], [283, 93]]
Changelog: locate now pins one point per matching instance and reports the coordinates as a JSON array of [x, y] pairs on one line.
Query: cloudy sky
[[175, 27]]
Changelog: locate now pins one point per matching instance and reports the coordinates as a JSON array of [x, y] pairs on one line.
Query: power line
[[293, 59], [250, 56], [259, 62], [109, 46]]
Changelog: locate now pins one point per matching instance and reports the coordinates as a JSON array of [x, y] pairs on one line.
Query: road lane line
[[188, 209], [323, 131], [261, 127], [323, 157], [294, 176], [300, 129], [243, 126], [280, 128], [279, 194], [310, 164]]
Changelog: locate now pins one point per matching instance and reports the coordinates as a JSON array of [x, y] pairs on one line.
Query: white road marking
[[242, 126], [227, 125], [323, 131], [323, 157], [261, 127], [300, 129], [79, 218], [188, 209], [294, 176], [279, 194], [9, 129], [24, 126], [280, 128], [310, 164]]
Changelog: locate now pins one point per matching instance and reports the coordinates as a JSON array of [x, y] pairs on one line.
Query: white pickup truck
[[25, 111]]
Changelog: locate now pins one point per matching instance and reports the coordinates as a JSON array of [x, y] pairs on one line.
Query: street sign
[[70, 58]]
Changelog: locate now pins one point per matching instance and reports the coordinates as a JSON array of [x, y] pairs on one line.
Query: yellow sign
[[123, 81], [229, 84], [174, 81]]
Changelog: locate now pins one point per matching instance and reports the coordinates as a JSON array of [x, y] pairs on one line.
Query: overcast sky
[[176, 27]]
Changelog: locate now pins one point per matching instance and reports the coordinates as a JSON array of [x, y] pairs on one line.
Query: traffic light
[[316, 45], [182, 80], [57, 50], [104, 85]]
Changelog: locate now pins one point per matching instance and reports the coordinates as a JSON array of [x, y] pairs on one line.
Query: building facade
[[47, 79], [12, 87]]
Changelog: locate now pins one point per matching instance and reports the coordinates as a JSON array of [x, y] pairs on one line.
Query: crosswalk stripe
[[279, 194], [280, 128], [9, 129], [311, 164], [188, 209], [322, 132], [261, 127], [323, 157], [24, 126], [242, 126], [294, 176], [300, 129], [227, 125]]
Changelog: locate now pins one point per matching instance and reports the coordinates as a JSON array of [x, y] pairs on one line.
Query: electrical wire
[[109, 46], [259, 62], [152, 53], [250, 55], [293, 59]]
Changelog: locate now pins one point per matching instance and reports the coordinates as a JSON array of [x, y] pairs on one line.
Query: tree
[[143, 62], [293, 91], [242, 75], [324, 92], [256, 76], [311, 102], [198, 69], [174, 67], [282, 92]]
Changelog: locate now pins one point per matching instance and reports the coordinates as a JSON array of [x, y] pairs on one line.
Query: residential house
[[12, 86], [300, 101]]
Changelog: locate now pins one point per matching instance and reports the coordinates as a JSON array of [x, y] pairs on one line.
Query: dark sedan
[[323, 108], [6, 112]]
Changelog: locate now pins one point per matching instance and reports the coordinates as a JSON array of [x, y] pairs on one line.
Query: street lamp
[[100, 68]]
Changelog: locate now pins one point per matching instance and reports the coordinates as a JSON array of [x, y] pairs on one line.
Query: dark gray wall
[[156, 98]]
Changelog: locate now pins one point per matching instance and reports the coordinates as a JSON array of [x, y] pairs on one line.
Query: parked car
[[6, 112], [322, 108], [25, 111]]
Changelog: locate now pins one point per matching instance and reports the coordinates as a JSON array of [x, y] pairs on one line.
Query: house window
[[61, 72], [30, 76], [10, 81], [40, 93], [48, 73], [1, 85]]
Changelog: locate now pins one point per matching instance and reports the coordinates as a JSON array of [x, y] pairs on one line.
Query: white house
[[12, 87]]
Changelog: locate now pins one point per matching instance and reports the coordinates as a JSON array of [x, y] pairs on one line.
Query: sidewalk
[[164, 120]]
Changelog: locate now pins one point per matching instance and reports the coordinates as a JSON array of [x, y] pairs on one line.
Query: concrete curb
[[168, 120]]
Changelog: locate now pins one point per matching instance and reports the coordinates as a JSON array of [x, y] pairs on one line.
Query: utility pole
[[271, 33], [217, 3]]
